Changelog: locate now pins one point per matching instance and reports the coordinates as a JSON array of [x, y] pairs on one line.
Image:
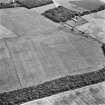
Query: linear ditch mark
[[49, 88], [13, 63]]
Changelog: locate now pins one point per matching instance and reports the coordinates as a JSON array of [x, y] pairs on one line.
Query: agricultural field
[[87, 4], [40, 51], [47, 58], [60, 14]]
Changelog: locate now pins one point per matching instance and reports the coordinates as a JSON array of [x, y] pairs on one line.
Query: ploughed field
[[42, 51]]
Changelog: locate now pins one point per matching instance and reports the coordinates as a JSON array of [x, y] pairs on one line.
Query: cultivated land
[[34, 49]]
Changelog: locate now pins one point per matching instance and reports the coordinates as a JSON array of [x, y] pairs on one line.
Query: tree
[[103, 48]]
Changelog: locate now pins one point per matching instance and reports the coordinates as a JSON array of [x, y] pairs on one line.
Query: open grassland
[[39, 59], [26, 23]]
